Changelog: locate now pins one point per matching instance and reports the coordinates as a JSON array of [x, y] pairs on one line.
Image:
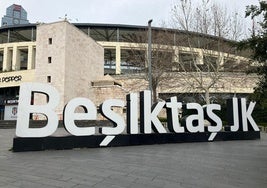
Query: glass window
[[103, 34], [1, 61], [23, 59], [3, 36], [16, 14], [211, 63], [21, 35], [132, 61], [187, 61], [110, 61], [133, 35], [233, 65]]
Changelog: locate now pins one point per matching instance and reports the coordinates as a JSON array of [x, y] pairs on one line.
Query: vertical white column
[[31, 57], [118, 59], [221, 60], [6, 59], [176, 55], [175, 58], [16, 58], [200, 58]]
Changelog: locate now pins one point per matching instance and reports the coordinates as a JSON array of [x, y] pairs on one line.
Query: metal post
[[118, 35], [88, 31], [8, 35], [149, 56]]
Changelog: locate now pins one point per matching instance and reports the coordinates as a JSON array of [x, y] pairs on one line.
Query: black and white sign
[[11, 112], [8, 79], [149, 122]]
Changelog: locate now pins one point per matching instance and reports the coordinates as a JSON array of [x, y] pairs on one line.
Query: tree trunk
[[154, 94], [207, 96]]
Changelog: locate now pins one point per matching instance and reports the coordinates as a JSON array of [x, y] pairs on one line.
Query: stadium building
[[96, 61]]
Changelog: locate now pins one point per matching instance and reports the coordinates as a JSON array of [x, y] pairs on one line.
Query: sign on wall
[[11, 112], [8, 79], [15, 78]]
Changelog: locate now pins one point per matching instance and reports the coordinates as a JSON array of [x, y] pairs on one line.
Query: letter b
[[25, 108]]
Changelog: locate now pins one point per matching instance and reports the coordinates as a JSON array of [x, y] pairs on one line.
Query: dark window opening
[[50, 41], [49, 59], [48, 79]]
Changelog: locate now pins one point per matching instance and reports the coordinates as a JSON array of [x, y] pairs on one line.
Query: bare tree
[[203, 62], [183, 22], [199, 60], [207, 17], [162, 54], [237, 27], [200, 70]]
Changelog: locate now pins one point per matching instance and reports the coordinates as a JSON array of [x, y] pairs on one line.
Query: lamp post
[[149, 56]]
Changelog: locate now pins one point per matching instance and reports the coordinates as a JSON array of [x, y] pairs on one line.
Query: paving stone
[[204, 165]]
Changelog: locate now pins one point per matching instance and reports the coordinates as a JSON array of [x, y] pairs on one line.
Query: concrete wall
[[84, 63], [56, 50], [108, 92], [75, 61]]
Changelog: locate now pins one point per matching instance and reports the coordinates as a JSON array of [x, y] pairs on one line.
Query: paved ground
[[197, 165]]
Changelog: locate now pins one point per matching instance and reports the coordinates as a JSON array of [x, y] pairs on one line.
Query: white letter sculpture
[[25, 108]]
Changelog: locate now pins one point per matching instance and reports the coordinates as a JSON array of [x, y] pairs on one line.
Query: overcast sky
[[133, 12]]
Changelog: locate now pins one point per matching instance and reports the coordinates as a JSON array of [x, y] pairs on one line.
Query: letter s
[[106, 111], [215, 120]]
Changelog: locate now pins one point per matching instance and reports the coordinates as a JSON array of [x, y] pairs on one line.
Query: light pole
[[149, 56]]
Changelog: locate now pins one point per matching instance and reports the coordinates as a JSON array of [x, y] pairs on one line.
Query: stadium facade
[[95, 61]]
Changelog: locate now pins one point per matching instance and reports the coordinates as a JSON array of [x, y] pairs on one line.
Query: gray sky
[[133, 12]]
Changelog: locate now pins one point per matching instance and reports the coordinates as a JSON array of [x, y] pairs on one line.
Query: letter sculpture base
[[70, 142]]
